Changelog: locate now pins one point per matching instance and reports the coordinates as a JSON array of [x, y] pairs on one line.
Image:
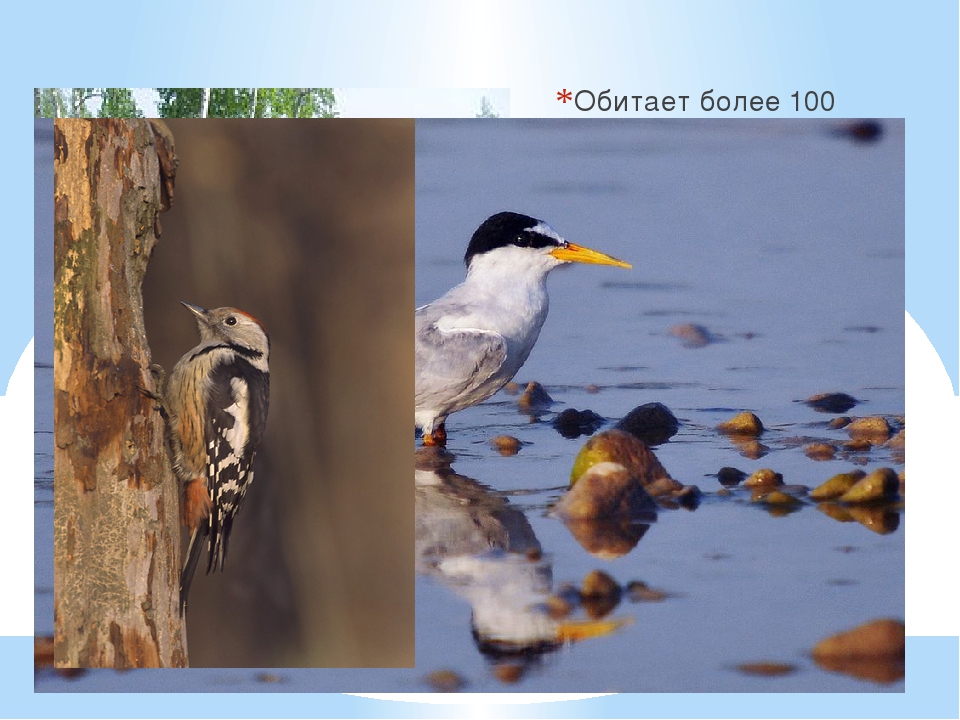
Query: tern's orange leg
[[438, 438], [196, 503]]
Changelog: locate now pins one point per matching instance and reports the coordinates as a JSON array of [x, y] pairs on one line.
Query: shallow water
[[786, 242], [782, 239]]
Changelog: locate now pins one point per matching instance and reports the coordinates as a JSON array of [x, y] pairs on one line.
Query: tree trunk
[[116, 517]]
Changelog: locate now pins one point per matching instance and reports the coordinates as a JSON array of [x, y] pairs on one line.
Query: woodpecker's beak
[[580, 254], [195, 309]]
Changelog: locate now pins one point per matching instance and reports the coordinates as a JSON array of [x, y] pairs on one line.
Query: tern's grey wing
[[454, 365]]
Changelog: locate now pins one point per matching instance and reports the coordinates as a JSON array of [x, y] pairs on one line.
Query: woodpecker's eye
[[231, 320]]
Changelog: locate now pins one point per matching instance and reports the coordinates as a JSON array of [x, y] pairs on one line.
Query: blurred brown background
[[309, 226]]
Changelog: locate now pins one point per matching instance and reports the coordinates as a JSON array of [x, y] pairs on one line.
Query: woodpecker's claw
[[159, 375]]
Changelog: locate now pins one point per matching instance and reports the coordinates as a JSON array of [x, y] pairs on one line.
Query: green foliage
[[248, 102], [74, 102], [118, 103], [188, 102], [46, 102]]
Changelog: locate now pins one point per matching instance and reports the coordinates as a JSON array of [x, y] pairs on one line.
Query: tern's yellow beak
[[580, 254]]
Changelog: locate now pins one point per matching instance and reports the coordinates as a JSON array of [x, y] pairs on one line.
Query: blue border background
[[879, 59], [931, 691]]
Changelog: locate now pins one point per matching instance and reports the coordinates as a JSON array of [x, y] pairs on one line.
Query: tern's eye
[[522, 240], [231, 320]]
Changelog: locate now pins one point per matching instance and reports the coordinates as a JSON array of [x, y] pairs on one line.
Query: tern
[[473, 340]]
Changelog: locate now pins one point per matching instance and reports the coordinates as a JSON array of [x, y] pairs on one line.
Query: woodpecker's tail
[[190, 564]]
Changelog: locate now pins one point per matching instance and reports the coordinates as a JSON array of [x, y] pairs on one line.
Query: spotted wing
[[236, 417]]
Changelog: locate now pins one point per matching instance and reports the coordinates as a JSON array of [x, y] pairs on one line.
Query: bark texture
[[116, 520]]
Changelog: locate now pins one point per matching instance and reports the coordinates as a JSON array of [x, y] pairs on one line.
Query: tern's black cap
[[510, 228]]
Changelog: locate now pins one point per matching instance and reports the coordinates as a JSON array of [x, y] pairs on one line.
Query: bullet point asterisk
[[564, 96]]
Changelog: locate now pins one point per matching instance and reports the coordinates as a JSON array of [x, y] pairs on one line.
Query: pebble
[[764, 478], [730, 476], [663, 487], [653, 423], [534, 398], [837, 485], [874, 429], [820, 451], [767, 669], [692, 336], [557, 607], [509, 673], [877, 639], [688, 497], [744, 423], [881, 484], [592, 389], [605, 490], [638, 591], [775, 497], [506, 445], [512, 388], [446, 681], [839, 422], [622, 448], [573, 423], [598, 584], [831, 402]]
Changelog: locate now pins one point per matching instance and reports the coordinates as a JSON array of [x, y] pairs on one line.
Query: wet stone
[[764, 478], [573, 423], [506, 445], [831, 402], [653, 423], [446, 681], [688, 497], [557, 607], [767, 669], [509, 673], [638, 592], [875, 429], [534, 398], [873, 651], [621, 448], [730, 476], [512, 388], [776, 497], [839, 422], [744, 423], [692, 335], [606, 490], [820, 451], [598, 584], [836, 485], [881, 484]]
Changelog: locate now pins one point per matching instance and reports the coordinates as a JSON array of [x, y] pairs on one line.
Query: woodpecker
[[215, 405]]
